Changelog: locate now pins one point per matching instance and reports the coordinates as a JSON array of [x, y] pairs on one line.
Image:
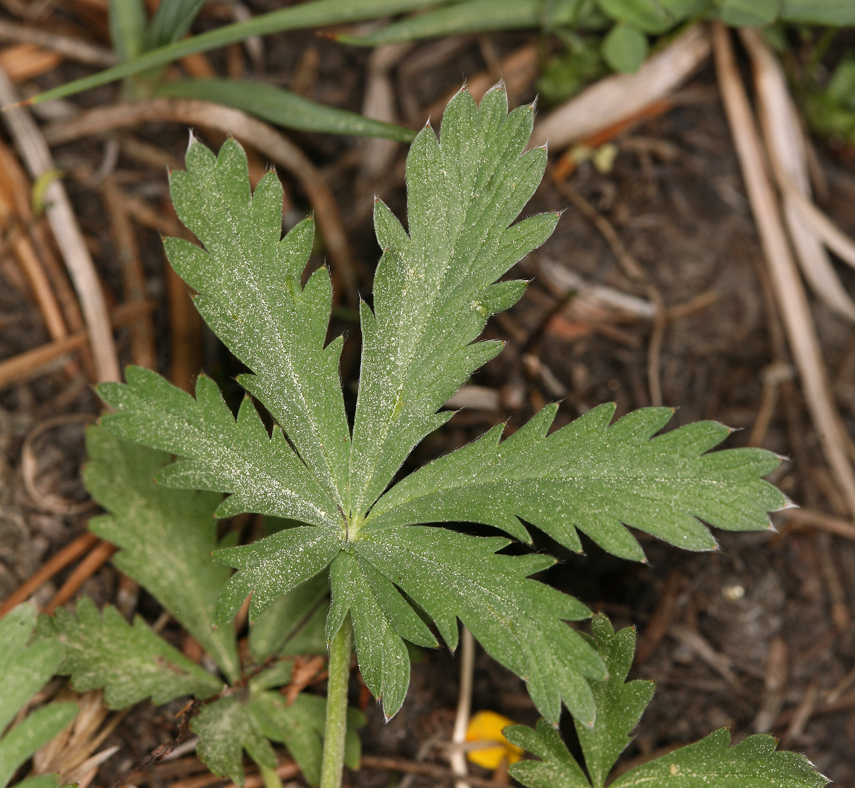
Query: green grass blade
[[474, 16], [283, 108], [128, 28], [819, 12], [296, 17], [171, 21]]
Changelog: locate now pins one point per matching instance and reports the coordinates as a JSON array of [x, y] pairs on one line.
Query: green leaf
[[650, 16], [131, 663], [226, 728], [283, 108], [625, 48], [127, 28], [34, 732], [42, 781], [471, 16], [272, 567], [289, 616], [620, 704], [26, 669], [557, 767], [594, 477], [753, 762], [250, 295], [146, 517], [224, 454], [433, 289], [171, 21], [819, 12], [381, 618], [749, 13], [449, 576], [304, 15], [300, 727]]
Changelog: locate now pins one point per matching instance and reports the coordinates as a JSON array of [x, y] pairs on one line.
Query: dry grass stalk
[[787, 285], [37, 157]]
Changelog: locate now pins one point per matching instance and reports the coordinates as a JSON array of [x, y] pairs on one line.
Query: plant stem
[[336, 724], [270, 776]]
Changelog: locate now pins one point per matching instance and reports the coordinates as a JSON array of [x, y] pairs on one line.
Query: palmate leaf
[[754, 763], [433, 289], [130, 663], [593, 477], [225, 729], [166, 537], [300, 727]]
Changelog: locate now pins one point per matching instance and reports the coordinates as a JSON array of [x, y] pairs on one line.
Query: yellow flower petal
[[486, 726]]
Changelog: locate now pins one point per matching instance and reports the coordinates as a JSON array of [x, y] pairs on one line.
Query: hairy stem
[[336, 724], [270, 777]]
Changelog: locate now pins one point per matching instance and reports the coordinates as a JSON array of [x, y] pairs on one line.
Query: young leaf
[[450, 576], [131, 663], [34, 732], [592, 476], [300, 727], [26, 668], [433, 289], [556, 768], [283, 107], [226, 728], [753, 762], [145, 518], [620, 704]]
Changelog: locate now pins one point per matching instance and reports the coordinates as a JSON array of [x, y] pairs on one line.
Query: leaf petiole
[[336, 722]]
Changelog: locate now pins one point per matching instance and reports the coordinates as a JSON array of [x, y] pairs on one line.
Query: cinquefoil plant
[[434, 290], [165, 538], [620, 704]]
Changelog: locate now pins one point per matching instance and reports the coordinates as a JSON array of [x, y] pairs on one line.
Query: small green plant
[[166, 538], [27, 667], [616, 32], [620, 704], [393, 578]]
